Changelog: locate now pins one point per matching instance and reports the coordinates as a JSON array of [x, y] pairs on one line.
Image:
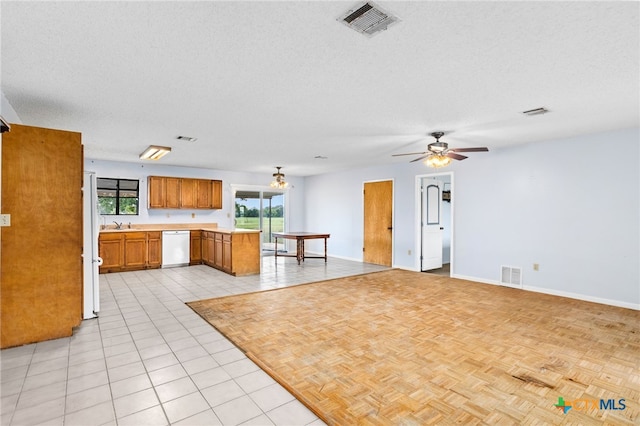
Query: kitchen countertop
[[212, 227]]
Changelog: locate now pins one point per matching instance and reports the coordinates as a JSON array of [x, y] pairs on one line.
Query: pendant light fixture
[[278, 180]]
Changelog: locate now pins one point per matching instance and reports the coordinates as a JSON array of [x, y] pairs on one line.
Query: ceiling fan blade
[[409, 153], [455, 156], [419, 158], [479, 149]]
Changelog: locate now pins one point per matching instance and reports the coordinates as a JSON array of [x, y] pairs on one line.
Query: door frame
[[393, 215], [418, 219], [261, 189]]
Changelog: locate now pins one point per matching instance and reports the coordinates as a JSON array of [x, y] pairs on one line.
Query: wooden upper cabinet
[[184, 193], [203, 194], [188, 194], [157, 192], [173, 190], [216, 194]]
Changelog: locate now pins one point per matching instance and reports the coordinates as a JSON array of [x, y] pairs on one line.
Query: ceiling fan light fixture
[[437, 161], [155, 152], [278, 180]]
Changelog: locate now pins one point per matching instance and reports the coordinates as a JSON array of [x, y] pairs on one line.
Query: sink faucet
[[118, 225]]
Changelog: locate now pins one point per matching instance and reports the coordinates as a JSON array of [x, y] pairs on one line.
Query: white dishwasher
[[175, 248]]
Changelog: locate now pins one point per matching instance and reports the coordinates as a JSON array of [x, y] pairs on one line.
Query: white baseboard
[[560, 293]]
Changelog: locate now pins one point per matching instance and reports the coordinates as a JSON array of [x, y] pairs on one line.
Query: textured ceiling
[[262, 84]]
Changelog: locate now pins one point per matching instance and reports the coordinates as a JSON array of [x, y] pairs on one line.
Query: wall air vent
[[511, 276], [368, 19]]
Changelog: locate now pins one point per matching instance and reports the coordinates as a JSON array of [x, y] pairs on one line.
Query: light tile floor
[[150, 360]]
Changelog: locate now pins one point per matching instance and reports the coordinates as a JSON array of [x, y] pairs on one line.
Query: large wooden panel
[[41, 289], [245, 253], [378, 222]]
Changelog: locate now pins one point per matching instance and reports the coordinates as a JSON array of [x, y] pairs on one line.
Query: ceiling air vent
[[368, 19], [536, 111]]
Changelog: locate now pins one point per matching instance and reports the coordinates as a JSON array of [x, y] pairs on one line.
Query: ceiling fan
[[438, 154]]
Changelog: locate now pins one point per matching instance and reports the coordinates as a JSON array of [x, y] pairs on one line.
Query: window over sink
[[118, 196]]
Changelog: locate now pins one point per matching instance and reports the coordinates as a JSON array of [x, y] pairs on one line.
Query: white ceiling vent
[[368, 19]]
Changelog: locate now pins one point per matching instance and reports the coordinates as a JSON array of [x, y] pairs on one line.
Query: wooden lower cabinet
[[234, 253], [195, 248], [154, 249], [130, 251]]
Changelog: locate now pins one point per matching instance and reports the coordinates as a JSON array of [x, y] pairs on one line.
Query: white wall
[[224, 218], [570, 205], [7, 111]]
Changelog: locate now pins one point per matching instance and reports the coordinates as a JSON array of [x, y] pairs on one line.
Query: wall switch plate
[[536, 267], [5, 220]]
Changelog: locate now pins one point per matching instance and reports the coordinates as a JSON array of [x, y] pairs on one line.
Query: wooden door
[[378, 222], [41, 290], [172, 193], [431, 256]]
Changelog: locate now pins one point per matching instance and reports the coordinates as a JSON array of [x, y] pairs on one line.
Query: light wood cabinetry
[[154, 249], [172, 194], [41, 263], [216, 194], [130, 251], [111, 250], [195, 248], [188, 194], [233, 253], [135, 250], [184, 193]]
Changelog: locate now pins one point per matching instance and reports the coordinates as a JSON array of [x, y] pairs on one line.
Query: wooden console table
[[300, 237]]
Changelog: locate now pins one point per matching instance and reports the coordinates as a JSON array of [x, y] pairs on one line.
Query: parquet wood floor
[[400, 347]]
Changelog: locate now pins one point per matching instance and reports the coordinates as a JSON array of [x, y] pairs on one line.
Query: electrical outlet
[[409, 252], [193, 215], [5, 220], [536, 267]]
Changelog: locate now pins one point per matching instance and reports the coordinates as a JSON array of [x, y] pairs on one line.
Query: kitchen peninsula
[[139, 247]]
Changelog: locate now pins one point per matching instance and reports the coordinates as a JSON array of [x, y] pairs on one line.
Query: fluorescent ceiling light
[[155, 152]]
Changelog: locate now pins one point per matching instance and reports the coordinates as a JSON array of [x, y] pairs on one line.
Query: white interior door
[[431, 257]]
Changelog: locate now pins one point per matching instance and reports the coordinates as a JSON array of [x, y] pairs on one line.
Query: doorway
[[263, 209], [378, 223], [434, 225]]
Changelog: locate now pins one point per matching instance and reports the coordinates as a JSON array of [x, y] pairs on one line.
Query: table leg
[[300, 250], [325, 250], [276, 256]]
